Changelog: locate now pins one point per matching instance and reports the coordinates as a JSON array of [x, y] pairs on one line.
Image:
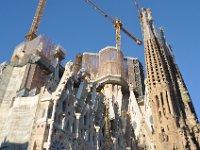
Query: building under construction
[[101, 101]]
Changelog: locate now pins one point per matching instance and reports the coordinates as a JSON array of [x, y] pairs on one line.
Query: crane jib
[[131, 36], [139, 42]]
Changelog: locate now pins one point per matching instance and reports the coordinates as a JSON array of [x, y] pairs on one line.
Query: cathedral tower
[[100, 102], [172, 110]]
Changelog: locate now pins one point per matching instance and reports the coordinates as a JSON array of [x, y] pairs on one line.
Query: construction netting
[[40, 46], [129, 70], [109, 61], [90, 62]]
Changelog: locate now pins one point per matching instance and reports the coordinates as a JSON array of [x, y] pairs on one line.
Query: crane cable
[[101, 11], [139, 42]]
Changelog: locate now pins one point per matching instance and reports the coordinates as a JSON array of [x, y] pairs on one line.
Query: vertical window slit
[[168, 102]]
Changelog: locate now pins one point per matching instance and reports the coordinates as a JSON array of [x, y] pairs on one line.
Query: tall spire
[[184, 94], [165, 45], [148, 27], [164, 95]]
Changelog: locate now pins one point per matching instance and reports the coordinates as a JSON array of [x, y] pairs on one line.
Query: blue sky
[[78, 28]]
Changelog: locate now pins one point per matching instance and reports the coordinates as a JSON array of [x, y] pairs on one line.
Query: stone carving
[[163, 136], [63, 121], [2, 67], [197, 133], [69, 66], [58, 145]]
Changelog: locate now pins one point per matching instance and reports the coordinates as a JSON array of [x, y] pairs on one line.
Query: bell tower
[[170, 130]]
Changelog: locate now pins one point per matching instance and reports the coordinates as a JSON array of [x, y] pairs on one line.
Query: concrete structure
[[100, 103], [46, 106]]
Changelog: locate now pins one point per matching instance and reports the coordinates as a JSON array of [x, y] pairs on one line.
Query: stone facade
[[170, 102], [100, 103], [51, 107]]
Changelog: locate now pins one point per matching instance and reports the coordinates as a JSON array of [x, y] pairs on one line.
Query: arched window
[[74, 127], [67, 125], [43, 113], [157, 101], [50, 109], [85, 119], [63, 106]]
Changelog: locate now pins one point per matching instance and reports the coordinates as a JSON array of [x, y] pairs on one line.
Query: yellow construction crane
[[36, 21], [117, 24]]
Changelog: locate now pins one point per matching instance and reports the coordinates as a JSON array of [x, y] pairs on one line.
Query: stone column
[[114, 143], [63, 121], [56, 95], [52, 121], [97, 136], [119, 99], [77, 115]]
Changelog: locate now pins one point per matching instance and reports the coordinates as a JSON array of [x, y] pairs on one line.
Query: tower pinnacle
[[149, 14], [164, 90]]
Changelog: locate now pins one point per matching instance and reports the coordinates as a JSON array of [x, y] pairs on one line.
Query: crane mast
[[117, 24], [118, 36], [36, 21]]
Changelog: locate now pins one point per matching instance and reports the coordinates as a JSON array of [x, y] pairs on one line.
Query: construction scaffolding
[[108, 62], [110, 66], [40, 46], [111, 62], [90, 62]]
